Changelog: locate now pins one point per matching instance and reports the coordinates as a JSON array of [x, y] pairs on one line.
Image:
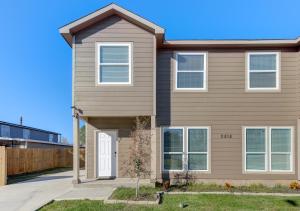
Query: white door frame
[[96, 151]]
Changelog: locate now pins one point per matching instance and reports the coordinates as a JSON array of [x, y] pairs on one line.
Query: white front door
[[106, 153]]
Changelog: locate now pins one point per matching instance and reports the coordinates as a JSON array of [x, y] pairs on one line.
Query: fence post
[[3, 165]]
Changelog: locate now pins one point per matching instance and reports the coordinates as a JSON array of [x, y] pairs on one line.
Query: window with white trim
[[190, 152], [256, 149], [191, 71], [173, 148], [263, 71], [268, 149], [281, 149], [114, 63], [197, 149]]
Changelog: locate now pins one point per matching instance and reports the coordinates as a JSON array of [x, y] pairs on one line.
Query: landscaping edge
[[232, 193]]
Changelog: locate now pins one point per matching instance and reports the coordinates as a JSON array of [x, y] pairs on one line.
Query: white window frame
[[204, 54], [265, 152], [268, 163], [185, 149], [98, 78], [198, 153], [291, 153], [173, 153], [277, 71]]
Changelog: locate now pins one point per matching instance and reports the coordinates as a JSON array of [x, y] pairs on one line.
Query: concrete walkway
[[33, 194]]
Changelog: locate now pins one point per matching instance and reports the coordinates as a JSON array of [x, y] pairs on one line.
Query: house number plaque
[[226, 136]]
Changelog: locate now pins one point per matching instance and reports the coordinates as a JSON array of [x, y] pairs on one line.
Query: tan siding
[[227, 107], [114, 100], [124, 126]]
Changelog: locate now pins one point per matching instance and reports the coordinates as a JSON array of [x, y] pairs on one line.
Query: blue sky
[[35, 61]]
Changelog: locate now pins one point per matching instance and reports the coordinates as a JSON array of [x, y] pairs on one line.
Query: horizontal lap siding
[[124, 127], [114, 100], [226, 107]]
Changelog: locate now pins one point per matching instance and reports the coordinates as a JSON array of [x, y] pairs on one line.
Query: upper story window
[[191, 71], [114, 63], [263, 71]]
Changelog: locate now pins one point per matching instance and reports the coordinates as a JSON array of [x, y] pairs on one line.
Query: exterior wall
[[117, 100], [124, 126], [124, 141], [227, 107]]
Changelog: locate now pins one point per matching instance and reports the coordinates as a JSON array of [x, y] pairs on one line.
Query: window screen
[[263, 70], [190, 71], [255, 148], [114, 63], [173, 149], [197, 149]]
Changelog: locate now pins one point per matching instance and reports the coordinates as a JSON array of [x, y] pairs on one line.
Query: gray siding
[[226, 107], [133, 100]]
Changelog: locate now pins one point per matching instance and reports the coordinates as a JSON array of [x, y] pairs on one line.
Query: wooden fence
[[15, 161]]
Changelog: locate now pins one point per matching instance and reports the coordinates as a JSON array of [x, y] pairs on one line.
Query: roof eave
[[70, 29], [230, 43]]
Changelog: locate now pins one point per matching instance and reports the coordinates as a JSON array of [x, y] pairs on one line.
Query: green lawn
[[194, 202], [146, 193]]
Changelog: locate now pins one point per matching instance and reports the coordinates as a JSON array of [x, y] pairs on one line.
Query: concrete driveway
[[32, 194]]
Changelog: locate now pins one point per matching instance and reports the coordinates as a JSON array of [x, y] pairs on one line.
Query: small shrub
[[166, 185], [228, 186], [295, 186]]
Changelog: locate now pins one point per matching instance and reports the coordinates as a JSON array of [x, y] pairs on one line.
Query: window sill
[[190, 90], [269, 172]]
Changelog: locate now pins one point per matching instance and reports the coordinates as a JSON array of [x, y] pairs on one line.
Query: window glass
[[197, 149], [255, 148], [173, 140], [255, 161], [281, 140], [173, 149], [197, 140], [272, 152], [50, 137], [280, 149], [26, 133], [173, 161], [255, 139], [262, 79], [113, 73], [263, 70], [5, 130], [114, 64], [263, 62], [114, 54], [190, 71], [190, 62]]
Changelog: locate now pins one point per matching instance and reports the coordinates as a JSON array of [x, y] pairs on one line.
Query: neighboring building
[[14, 135], [221, 109]]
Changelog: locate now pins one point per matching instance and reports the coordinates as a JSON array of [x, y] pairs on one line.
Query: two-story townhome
[[220, 109]]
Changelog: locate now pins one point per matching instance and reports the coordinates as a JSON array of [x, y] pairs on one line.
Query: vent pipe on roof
[[21, 120]]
